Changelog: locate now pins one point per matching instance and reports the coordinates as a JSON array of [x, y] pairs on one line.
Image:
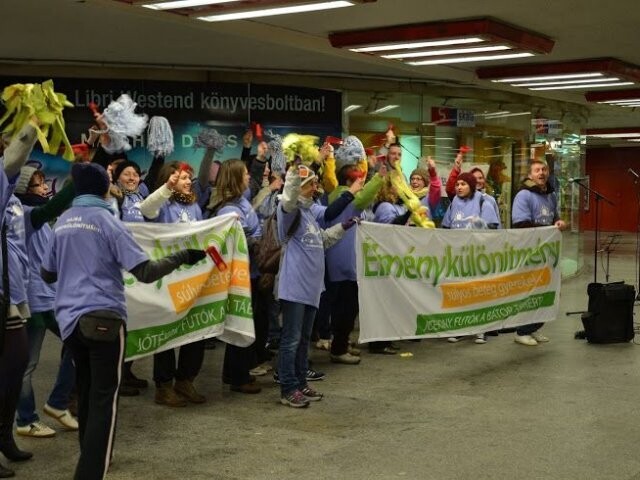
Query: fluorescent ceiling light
[[404, 46], [504, 115], [614, 135], [547, 77], [384, 109], [626, 100], [351, 108], [597, 85], [634, 105], [184, 4], [566, 82], [492, 113], [448, 51], [480, 58], [266, 12]]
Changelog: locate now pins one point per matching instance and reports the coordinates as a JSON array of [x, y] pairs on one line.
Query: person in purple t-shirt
[[535, 205], [88, 252], [231, 183], [175, 202], [13, 338], [469, 210], [301, 280]]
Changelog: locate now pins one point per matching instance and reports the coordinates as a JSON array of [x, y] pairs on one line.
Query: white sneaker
[[480, 339], [540, 338], [36, 429], [525, 340], [453, 339], [63, 417], [323, 344], [258, 371]]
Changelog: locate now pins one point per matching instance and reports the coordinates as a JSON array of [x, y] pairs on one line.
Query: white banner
[[417, 283], [195, 301]]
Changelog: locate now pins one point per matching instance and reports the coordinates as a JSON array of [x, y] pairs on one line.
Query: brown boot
[[166, 395], [188, 391]]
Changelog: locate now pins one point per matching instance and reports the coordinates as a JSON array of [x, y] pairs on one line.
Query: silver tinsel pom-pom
[[278, 159], [160, 137], [210, 138], [350, 152]]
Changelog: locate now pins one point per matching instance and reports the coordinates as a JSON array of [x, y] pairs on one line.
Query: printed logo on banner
[[193, 302], [463, 283]]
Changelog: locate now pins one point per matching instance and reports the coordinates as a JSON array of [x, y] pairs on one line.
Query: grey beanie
[[350, 152], [22, 185]]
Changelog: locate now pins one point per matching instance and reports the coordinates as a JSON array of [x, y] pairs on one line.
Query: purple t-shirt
[[387, 212], [465, 212], [538, 208], [301, 277], [250, 223], [89, 250], [17, 251], [130, 208], [40, 294], [341, 257], [174, 212]]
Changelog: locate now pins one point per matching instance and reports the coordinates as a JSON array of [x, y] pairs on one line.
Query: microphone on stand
[[576, 179]]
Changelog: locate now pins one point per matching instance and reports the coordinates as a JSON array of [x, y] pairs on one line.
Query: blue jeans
[[293, 357], [59, 396], [273, 311]]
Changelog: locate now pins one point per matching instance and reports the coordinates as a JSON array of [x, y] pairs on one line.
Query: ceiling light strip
[[448, 51], [547, 77], [184, 4], [478, 58], [406, 46], [566, 82], [267, 12], [384, 109], [599, 85]]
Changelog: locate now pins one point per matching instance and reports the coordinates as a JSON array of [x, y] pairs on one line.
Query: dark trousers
[[190, 360], [13, 363], [344, 310], [322, 322], [98, 374], [260, 303], [528, 329]]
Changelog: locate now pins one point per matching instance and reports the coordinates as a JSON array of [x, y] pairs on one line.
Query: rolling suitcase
[[610, 315]]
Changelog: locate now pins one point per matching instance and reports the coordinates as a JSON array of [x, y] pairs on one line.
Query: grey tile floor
[[563, 410]]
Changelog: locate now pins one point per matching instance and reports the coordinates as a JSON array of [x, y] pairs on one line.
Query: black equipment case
[[610, 315]]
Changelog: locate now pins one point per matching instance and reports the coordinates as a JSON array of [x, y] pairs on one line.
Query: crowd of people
[[68, 278]]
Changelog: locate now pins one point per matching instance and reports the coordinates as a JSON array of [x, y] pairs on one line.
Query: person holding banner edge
[[88, 252], [175, 202], [535, 205]]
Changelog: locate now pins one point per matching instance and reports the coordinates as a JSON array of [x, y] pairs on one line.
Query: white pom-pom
[[160, 137], [123, 122]]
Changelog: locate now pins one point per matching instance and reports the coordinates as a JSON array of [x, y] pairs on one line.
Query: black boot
[[5, 472], [10, 450]]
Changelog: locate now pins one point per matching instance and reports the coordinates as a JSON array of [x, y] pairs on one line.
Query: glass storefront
[[501, 140]]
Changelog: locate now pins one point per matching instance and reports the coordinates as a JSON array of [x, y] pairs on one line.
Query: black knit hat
[[90, 179], [122, 165]]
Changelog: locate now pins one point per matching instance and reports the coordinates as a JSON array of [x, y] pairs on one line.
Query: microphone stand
[[598, 196]]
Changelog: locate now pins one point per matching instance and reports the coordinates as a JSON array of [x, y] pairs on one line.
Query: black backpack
[[268, 249]]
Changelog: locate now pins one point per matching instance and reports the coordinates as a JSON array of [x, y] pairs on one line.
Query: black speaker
[[610, 315]]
